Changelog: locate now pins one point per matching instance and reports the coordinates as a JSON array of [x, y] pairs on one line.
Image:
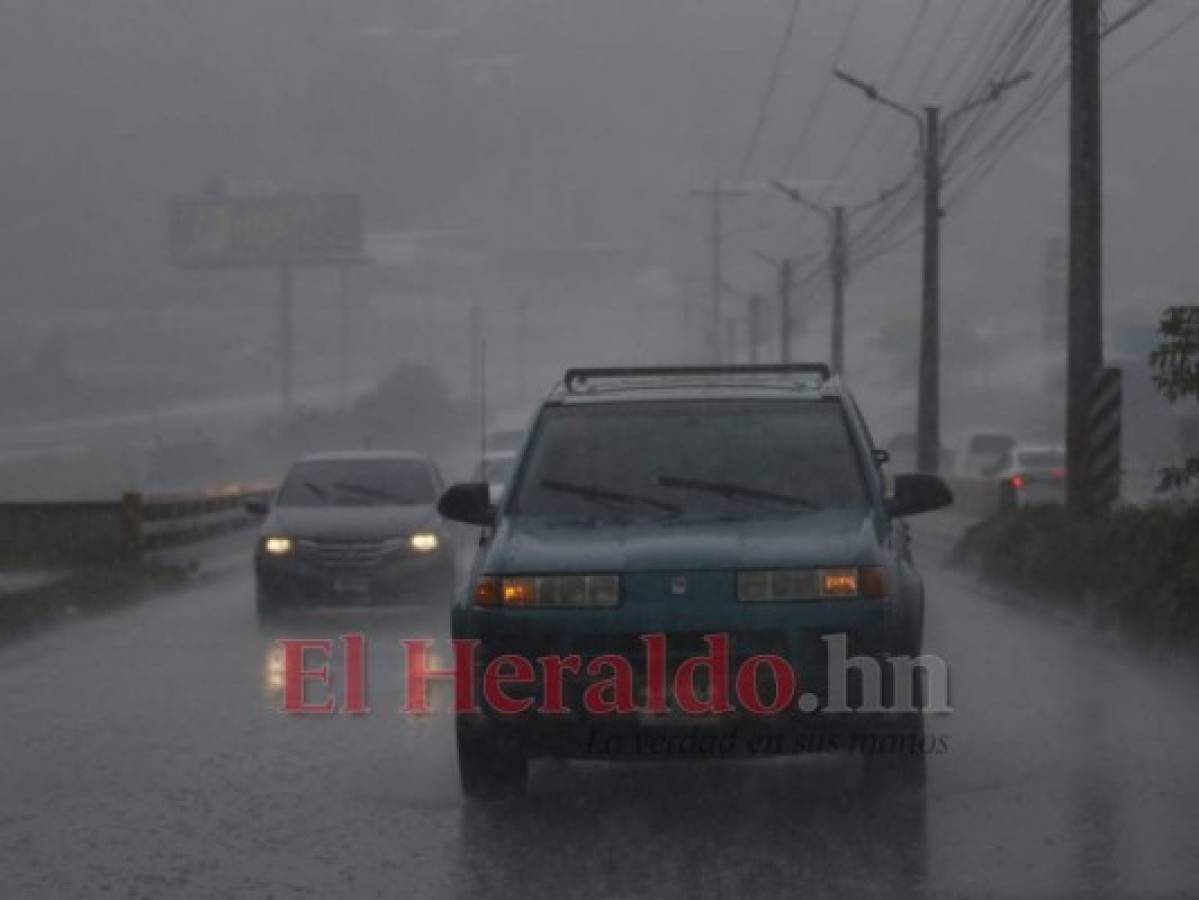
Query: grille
[[347, 554]]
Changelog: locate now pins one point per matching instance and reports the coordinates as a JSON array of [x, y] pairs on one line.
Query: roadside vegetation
[[1135, 567]]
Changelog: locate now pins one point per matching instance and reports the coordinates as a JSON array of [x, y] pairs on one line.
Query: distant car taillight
[[1017, 481]]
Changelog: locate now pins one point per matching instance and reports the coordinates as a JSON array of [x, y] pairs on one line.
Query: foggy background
[[536, 158]]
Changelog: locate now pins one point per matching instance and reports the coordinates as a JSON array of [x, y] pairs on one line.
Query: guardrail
[[73, 532]]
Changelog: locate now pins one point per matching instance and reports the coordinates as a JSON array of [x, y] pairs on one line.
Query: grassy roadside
[[1136, 568], [86, 591]]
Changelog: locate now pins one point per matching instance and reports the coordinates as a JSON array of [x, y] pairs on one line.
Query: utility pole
[[753, 326], [1084, 342], [716, 195], [928, 404], [839, 270], [521, 353], [476, 342], [343, 342], [930, 130], [286, 340], [835, 216], [717, 273], [785, 281], [785, 270]]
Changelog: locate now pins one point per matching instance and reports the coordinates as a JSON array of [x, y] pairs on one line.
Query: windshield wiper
[[602, 495], [316, 488], [363, 490], [735, 491]]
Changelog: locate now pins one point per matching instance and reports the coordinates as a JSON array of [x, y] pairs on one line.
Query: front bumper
[[296, 580]]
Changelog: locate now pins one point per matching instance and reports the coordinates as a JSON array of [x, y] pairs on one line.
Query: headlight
[[785, 585], [277, 546], [424, 542], [550, 591]]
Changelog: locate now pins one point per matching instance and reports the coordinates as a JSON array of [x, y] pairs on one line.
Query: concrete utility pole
[[343, 338], [476, 342], [928, 405], [716, 195], [717, 272], [1084, 341], [786, 280], [754, 326], [286, 340], [839, 271], [837, 266], [930, 130]]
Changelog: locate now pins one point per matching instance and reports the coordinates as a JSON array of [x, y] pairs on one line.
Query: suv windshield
[[373, 482], [722, 458]]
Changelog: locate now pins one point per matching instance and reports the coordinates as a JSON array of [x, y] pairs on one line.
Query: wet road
[[141, 756]]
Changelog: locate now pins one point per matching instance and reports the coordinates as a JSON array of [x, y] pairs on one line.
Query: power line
[[1139, 7], [818, 106], [983, 26], [772, 82], [1011, 42], [1154, 44], [935, 55], [1033, 115], [1043, 34], [1030, 115], [872, 112]]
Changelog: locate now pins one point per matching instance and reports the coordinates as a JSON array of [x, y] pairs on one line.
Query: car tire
[[898, 758], [488, 768]]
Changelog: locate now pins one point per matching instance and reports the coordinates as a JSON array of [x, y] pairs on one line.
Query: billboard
[[227, 232]]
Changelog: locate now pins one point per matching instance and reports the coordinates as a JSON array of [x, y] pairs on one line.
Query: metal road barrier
[[59, 533]]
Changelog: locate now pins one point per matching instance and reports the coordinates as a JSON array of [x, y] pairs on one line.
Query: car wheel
[[489, 769], [897, 756]]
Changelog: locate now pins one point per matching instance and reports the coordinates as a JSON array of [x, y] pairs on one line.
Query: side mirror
[[469, 504], [257, 505], [915, 494], [881, 457]]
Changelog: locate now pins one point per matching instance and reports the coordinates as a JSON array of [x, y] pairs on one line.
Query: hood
[[829, 538], [349, 522]]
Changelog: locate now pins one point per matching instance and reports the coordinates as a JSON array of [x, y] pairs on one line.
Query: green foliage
[[1139, 566], [1175, 364], [1176, 360]]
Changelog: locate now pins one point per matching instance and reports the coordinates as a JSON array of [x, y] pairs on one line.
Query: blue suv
[[693, 521]]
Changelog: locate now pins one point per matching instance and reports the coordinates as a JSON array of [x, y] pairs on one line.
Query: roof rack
[[575, 379]]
